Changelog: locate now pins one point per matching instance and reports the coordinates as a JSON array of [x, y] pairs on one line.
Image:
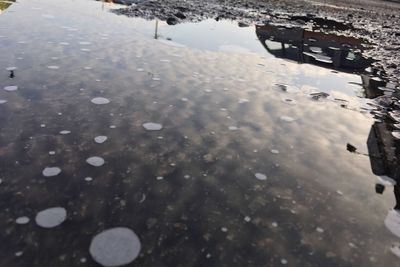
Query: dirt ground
[[378, 22]]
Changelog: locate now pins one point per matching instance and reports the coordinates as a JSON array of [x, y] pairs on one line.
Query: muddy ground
[[376, 21]]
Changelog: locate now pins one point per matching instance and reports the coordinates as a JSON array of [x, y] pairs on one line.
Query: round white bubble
[[51, 217], [95, 161], [115, 247], [22, 220], [11, 88], [51, 171], [151, 126], [100, 139], [100, 101], [260, 176]]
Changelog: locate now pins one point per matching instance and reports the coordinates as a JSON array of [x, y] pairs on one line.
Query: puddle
[[225, 145]]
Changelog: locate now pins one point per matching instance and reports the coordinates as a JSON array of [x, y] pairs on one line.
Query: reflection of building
[[5, 4], [326, 50], [384, 151]]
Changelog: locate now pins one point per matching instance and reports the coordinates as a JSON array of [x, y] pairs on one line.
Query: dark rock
[[172, 21], [180, 15]]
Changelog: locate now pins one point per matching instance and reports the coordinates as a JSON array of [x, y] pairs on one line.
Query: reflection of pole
[[155, 33]]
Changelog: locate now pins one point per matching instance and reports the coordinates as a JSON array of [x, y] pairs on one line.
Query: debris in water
[[284, 261], [274, 224], [100, 101], [64, 132], [51, 171], [260, 176], [19, 253], [247, 219], [224, 229], [115, 247], [320, 230], [95, 161], [51, 217], [151, 126]]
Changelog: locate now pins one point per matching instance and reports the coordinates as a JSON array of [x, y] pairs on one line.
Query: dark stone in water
[[172, 21]]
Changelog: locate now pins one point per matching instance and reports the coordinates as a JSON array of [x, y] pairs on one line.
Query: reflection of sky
[[305, 180]]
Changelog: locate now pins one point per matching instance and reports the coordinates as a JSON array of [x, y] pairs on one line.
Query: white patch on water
[[274, 151], [233, 128], [284, 261], [260, 176], [64, 132], [243, 100], [287, 118], [11, 88], [139, 69], [2, 101], [184, 99], [51, 171], [85, 49], [392, 222], [95, 161], [53, 67], [11, 68], [42, 125], [274, 224], [151, 126], [159, 178], [51, 217], [115, 247], [224, 229], [52, 152], [186, 176], [100, 101], [395, 249], [88, 179], [100, 139], [22, 220], [113, 126], [84, 43], [320, 230], [247, 219]]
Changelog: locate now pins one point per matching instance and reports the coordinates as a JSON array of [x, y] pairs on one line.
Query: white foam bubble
[[11, 68], [11, 88], [100, 101], [51, 171], [287, 118], [53, 67], [115, 247], [95, 161], [64, 132], [100, 139], [152, 126], [51, 217], [22, 220], [260, 176]]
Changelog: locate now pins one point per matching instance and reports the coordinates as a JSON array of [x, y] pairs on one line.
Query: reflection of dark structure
[[326, 50], [384, 154]]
